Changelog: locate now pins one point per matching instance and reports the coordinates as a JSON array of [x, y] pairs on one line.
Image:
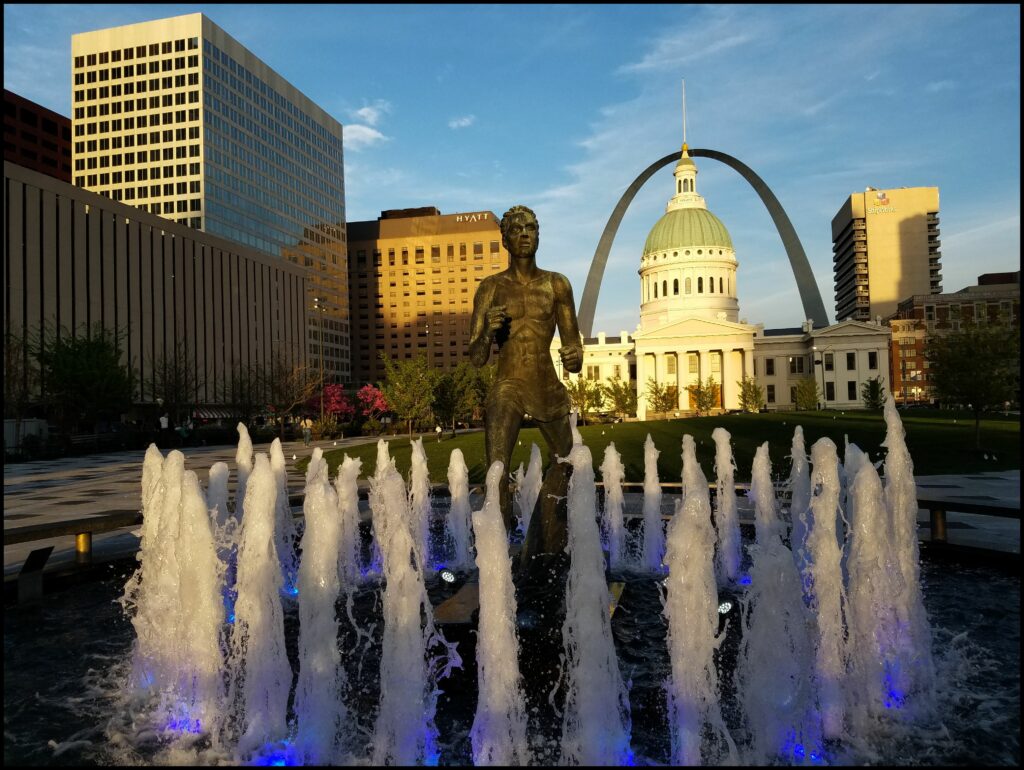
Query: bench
[[937, 509]]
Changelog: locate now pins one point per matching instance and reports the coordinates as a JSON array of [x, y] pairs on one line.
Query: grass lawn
[[939, 442]]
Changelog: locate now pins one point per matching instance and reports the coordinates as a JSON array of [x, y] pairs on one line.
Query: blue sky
[[480, 107]]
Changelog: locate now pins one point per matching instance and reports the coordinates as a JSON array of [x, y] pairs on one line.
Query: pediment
[[696, 327], [851, 329]]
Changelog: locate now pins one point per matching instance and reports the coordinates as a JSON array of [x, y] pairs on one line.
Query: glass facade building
[[176, 117]]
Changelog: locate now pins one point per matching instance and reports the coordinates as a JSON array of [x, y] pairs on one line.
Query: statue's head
[[520, 231]]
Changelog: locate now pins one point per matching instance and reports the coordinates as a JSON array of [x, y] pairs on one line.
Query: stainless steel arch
[[810, 297]]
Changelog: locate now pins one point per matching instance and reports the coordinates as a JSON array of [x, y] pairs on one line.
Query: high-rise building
[[176, 117], [885, 247], [412, 277], [36, 137]]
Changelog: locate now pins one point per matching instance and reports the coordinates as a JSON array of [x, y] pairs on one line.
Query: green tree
[[661, 398], [585, 396], [409, 388], [83, 377], [483, 379], [704, 396], [289, 384], [977, 367], [872, 393], [622, 396], [751, 395], [174, 380], [446, 399], [21, 378], [808, 395]]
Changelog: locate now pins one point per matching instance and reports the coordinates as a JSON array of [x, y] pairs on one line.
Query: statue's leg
[[548, 532], [501, 426]]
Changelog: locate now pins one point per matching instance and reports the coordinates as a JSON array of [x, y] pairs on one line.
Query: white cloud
[[371, 114], [358, 137], [462, 122]]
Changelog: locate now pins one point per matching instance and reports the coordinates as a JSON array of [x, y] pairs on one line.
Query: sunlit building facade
[[176, 117], [412, 277]]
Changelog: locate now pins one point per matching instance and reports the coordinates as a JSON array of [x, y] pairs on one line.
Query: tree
[[585, 396], [175, 382], [289, 384], [662, 398], [977, 367], [704, 396], [409, 388], [872, 393], [808, 395], [21, 378], [482, 382], [622, 396], [83, 378], [372, 405], [243, 388], [751, 395], [455, 394]]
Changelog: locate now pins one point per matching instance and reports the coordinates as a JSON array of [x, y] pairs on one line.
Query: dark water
[[60, 656]]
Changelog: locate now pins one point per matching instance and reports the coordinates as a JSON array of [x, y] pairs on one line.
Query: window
[[675, 285], [593, 372], [769, 367], [796, 364], [872, 359], [929, 312], [851, 361], [851, 390], [670, 365], [700, 285], [830, 391], [829, 362], [688, 286], [771, 392], [711, 285], [664, 288], [720, 284], [694, 363]]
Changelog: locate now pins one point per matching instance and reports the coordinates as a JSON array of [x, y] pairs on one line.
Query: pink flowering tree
[[336, 403], [372, 403]]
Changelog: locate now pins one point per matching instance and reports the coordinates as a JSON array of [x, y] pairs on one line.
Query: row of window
[[131, 70], [137, 52], [830, 392], [688, 286], [800, 364]]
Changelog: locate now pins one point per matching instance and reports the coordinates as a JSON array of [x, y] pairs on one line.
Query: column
[[728, 381], [681, 360], [641, 385]]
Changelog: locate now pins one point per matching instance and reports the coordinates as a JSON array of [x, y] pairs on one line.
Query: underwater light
[[447, 576], [724, 607]]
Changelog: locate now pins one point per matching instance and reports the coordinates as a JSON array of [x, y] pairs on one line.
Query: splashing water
[[917, 671], [319, 708], [217, 494], [419, 503], [284, 523], [596, 720], [405, 732], [528, 492], [799, 486], [654, 533], [459, 513], [774, 669], [243, 465], [498, 734], [612, 475], [346, 487], [577, 438], [727, 522], [824, 579], [258, 669], [691, 610]]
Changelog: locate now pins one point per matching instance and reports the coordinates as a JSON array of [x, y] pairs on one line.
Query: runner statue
[[519, 309]]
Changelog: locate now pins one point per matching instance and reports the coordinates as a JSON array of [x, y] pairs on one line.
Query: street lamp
[[320, 339], [820, 360]]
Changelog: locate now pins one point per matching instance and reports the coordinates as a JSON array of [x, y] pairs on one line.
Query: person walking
[[307, 430]]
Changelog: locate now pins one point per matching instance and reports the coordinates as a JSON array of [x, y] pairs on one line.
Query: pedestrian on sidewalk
[[307, 430]]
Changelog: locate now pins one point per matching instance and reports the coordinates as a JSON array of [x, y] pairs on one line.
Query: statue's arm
[[568, 326], [480, 333]]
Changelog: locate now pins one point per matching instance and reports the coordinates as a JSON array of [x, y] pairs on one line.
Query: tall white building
[[176, 117]]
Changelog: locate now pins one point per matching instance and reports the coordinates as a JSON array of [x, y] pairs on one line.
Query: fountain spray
[[727, 522], [459, 512], [612, 475], [654, 534], [346, 487]]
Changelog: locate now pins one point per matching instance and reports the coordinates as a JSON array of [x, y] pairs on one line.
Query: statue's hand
[[496, 317], [572, 357]]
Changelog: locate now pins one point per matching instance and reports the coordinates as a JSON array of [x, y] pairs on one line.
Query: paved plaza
[[51, 491]]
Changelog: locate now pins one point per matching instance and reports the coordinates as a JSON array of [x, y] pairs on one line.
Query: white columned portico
[[748, 363]]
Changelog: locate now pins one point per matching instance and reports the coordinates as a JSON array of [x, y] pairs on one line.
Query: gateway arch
[[810, 297]]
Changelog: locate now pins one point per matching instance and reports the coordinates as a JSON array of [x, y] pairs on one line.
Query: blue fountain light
[[744, 580], [447, 576], [184, 725]]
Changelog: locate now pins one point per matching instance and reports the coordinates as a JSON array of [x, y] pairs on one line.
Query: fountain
[[528, 490], [826, 667], [727, 523], [654, 533]]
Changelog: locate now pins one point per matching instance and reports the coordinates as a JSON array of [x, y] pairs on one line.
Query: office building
[[412, 277], [36, 137], [73, 259], [994, 300], [885, 247], [177, 118]]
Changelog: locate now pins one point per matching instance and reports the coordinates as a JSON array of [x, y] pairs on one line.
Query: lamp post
[[820, 360], [320, 340]]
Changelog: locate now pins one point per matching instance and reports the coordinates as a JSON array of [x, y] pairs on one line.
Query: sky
[[481, 107]]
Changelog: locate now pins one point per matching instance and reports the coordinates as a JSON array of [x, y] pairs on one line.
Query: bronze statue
[[519, 309]]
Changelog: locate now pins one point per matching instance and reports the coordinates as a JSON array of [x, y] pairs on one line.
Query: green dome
[[683, 228]]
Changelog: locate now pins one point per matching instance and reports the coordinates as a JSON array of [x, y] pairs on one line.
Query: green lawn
[[939, 442]]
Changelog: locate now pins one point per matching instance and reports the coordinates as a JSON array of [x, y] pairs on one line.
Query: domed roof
[[684, 227]]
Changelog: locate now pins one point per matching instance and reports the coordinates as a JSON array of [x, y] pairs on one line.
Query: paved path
[[58, 490]]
